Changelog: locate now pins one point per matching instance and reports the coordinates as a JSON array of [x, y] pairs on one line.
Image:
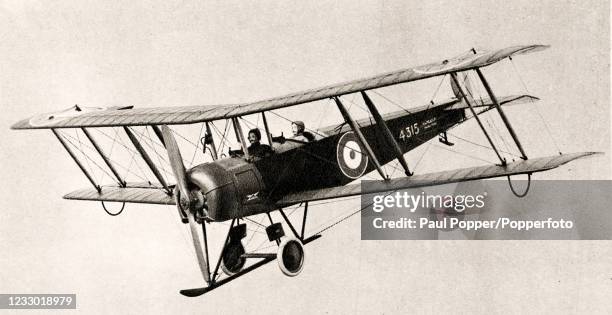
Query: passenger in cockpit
[[299, 133]]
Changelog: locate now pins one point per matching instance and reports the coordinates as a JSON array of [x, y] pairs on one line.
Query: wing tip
[[583, 154], [569, 157], [22, 124], [542, 46], [565, 158], [537, 47], [592, 153], [526, 49], [527, 97], [76, 195]]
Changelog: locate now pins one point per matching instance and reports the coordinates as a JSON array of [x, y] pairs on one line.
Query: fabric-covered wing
[[100, 117], [463, 63], [130, 194], [438, 178]]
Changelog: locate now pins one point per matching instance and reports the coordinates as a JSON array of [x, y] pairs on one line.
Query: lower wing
[[433, 179], [140, 193], [134, 193]]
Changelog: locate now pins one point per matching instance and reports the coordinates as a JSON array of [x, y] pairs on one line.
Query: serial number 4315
[[407, 132]]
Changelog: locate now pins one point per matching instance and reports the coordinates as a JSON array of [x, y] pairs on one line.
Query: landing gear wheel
[[290, 257], [232, 262]]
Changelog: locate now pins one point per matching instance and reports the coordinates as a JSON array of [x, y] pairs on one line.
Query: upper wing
[[100, 117], [438, 178]]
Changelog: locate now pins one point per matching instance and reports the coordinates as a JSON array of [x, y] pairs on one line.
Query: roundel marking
[[351, 157]]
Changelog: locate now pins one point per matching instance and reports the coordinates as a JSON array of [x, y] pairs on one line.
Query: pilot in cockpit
[[257, 149]]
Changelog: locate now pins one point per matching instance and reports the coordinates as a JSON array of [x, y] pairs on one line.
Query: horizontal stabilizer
[[130, 194], [438, 178], [504, 101]]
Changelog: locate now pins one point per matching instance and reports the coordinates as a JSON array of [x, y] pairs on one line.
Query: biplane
[[237, 186]]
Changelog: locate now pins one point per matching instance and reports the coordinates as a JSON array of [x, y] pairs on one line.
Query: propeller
[[186, 200]]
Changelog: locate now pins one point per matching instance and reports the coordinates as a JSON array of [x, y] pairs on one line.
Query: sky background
[[174, 53]]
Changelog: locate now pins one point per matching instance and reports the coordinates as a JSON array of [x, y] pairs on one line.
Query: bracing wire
[[133, 153], [421, 157], [133, 159], [495, 131], [118, 164], [150, 140], [223, 135], [80, 149], [433, 97], [406, 110], [346, 217], [87, 158], [480, 145], [550, 135], [196, 148]]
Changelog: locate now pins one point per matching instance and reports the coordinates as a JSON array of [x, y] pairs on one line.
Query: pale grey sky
[[172, 53]]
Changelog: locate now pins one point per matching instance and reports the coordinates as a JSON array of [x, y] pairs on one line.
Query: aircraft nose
[[216, 187]]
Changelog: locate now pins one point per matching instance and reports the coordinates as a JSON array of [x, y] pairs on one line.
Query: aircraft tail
[[465, 84], [503, 100]]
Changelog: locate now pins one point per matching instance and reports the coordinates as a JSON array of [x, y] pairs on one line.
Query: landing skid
[[265, 258]]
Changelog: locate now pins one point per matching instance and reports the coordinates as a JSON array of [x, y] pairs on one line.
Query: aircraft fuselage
[[237, 188]]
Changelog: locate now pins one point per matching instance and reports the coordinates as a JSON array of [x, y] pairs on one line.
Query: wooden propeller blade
[[193, 228], [178, 168]]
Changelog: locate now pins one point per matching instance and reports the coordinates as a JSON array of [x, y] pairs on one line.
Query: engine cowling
[[232, 188]]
